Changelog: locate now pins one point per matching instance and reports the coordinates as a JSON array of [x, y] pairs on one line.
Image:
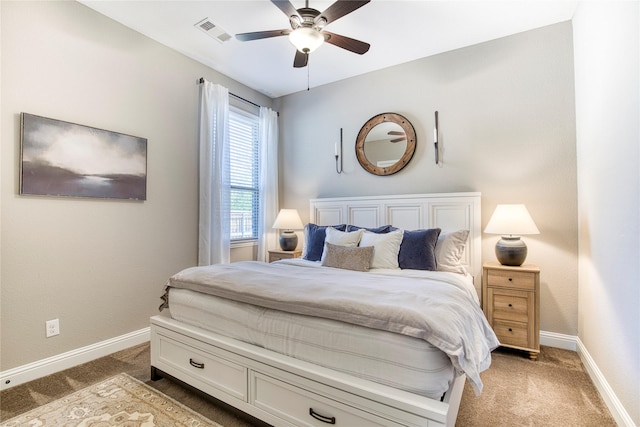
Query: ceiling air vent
[[213, 30]]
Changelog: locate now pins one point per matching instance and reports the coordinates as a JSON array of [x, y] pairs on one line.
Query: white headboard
[[447, 211]]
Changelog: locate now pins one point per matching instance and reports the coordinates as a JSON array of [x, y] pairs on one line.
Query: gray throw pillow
[[348, 258]]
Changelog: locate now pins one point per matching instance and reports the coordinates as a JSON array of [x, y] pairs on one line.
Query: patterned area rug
[[118, 401]]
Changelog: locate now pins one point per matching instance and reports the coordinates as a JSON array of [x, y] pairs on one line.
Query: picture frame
[[59, 158]]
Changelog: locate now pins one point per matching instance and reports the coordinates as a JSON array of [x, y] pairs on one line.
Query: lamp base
[[288, 240], [510, 250]]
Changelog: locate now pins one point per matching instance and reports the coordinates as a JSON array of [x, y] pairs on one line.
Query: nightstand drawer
[[515, 306], [511, 333], [278, 255], [511, 279]]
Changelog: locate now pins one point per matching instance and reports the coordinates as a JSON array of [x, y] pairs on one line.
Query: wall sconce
[[288, 220], [435, 140], [338, 154], [511, 221]]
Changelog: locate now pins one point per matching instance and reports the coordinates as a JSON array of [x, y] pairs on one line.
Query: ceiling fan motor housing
[[306, 17]]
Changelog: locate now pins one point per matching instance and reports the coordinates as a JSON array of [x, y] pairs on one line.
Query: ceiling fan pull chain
[[308, 67]]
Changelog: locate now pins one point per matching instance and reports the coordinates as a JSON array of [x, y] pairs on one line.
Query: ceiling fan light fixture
[[306, 39]]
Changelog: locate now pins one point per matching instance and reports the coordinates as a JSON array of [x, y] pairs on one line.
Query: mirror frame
[[408, 152]]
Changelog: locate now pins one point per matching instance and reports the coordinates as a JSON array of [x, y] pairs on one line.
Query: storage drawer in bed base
[[306, 409], [211, 368], [283, 391]]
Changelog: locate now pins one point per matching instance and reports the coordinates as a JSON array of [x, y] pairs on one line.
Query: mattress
[[399, 361]]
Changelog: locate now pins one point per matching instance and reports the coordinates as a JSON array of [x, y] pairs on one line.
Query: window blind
[[244, 174]]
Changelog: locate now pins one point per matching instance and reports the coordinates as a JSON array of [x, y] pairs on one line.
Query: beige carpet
[[553, 391], [118, 401]]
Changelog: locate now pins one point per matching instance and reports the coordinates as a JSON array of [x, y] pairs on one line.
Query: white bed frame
[[284, 391]]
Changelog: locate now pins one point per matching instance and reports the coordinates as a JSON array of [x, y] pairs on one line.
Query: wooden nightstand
[[278, 255], [511, 302]]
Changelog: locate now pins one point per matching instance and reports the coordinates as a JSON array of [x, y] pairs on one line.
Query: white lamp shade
[[288, 219], [511, 219], [306, 39]]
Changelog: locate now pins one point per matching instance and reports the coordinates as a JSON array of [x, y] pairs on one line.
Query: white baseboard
[[569, 342], [51, 365], [618, 411], [552, 339]]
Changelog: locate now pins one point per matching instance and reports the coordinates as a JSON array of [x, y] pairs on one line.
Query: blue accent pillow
[[314, 240], [417, 250], [377, 230]]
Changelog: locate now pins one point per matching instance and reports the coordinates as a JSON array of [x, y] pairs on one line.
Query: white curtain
[[268, 205], [214, 221]]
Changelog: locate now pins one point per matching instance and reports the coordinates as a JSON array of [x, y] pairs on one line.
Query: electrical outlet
[[53, 327]]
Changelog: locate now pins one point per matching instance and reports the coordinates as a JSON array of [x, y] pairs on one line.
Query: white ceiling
[[398, 31]]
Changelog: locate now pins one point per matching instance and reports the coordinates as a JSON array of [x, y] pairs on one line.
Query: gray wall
[[507, 128], [607, 112], [98, 265]]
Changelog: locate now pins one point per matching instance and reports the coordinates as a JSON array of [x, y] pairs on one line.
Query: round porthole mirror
[[385, 144]]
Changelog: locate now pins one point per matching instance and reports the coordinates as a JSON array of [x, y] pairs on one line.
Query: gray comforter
[[439, 310]]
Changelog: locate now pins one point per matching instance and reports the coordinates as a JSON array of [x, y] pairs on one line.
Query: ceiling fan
[[307, 29]]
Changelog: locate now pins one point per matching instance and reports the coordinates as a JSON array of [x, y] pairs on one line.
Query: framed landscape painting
[[65, 159]]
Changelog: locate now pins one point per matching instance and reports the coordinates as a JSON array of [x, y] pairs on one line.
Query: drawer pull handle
[[328, 420], [196, 364], [510, 305], [510, 330], [510, 279]]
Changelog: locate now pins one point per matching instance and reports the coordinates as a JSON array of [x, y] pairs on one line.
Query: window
[[244, 149]]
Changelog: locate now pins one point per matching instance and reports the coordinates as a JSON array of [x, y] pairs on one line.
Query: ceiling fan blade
[[353, 45], [286, 7], [245, 37], [300, 59], [396, 132], [341, 8], [398, 140]]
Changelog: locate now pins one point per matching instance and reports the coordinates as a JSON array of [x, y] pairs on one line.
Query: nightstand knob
[[510, 330], [510, 279], [510, 305]]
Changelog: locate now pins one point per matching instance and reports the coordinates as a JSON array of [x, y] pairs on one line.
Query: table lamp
[[511, 221], [288, 220]]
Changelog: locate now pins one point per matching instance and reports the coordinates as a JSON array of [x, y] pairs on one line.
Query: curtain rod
[[234, 95]]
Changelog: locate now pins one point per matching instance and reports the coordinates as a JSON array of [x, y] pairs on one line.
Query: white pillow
[[341, 238], [385, 248], [449, 250]]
